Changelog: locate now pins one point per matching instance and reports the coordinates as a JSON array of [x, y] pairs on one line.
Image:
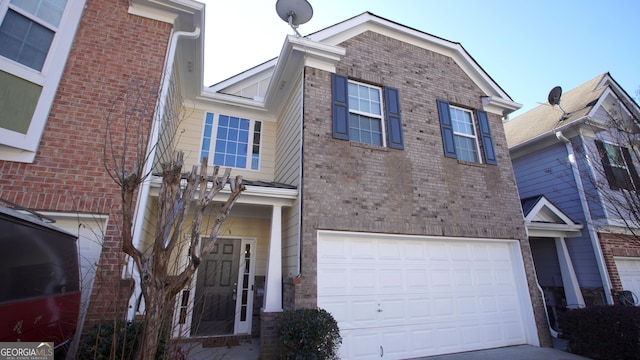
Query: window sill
[[367, 146]]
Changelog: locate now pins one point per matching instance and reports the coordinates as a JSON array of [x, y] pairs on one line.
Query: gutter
[[143, 194], [595, 242]]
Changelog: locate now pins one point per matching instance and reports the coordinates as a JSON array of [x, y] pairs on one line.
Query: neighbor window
[[359, 114], [35, 40], [618, 166], [27, 30], [462, 136], [231, 141]]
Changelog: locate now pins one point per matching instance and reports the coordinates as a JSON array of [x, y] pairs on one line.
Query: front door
[[216, 290]]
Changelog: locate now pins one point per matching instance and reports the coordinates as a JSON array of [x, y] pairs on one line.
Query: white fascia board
[[499, 105], [352, 27], [252, 195], [553, 230], [271, 64], [544, 202], [164, 10]]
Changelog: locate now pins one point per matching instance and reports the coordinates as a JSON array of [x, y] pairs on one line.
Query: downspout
[[135, 302], [595, 242]]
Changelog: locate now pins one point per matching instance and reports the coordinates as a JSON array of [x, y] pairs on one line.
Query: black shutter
[[608, 171], [340, 106], [634, 184], [447, 129], [487, 140], [394, 121]]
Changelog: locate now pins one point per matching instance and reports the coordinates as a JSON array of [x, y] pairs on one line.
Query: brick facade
[[417, 191], [112, 50], [614, 245]]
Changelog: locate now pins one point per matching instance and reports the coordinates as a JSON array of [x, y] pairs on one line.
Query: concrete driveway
[[520, 352]]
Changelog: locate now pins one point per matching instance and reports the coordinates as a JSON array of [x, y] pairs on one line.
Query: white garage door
[[398, 297], [629, 271]]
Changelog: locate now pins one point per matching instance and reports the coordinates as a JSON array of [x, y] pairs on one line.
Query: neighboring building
[[61, 64], [570, 164], [379, 187]]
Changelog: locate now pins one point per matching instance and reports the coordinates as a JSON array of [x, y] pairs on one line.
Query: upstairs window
[[27, 30], [461, 137], [231, 141], [35, 39], [357, 113], [618, 166]]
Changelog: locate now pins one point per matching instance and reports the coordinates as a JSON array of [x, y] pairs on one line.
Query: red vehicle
[[39, 280]]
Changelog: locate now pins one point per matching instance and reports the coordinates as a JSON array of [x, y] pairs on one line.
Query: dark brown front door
[[216, 284]]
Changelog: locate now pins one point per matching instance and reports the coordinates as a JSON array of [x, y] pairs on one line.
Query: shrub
[[98, 342], [308, 334], [603, 332]]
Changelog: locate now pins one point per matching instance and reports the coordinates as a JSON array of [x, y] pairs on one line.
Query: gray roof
[[577, 103]]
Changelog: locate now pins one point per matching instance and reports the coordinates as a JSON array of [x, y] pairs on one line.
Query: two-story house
[[574, 166], [62, 64], [379, 187]]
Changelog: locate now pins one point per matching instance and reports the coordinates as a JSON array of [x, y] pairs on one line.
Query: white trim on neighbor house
[[19, 147]]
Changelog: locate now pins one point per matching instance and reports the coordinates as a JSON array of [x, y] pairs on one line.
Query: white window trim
[[214, 138], [475, 133], [19, 147], [383, 125]]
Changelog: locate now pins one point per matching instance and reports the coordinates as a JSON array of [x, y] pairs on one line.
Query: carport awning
[[544, 219]]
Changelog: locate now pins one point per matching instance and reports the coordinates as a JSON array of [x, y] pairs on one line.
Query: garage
[[397, 297], [629, 272]]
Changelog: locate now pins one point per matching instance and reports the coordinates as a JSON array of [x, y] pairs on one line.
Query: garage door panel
[[629, 272], [410, 298]]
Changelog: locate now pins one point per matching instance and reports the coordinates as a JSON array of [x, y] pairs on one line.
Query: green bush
[[98, 342], [308, 334], [603, 332]]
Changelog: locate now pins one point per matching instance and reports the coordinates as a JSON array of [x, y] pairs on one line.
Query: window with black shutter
[[365, 113], [462, 134], [618, 166]]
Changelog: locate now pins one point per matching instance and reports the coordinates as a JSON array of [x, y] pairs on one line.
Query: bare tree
[[181, 197], [614, 159]]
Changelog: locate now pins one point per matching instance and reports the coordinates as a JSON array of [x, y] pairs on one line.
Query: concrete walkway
[[250, 350], [519, 352]]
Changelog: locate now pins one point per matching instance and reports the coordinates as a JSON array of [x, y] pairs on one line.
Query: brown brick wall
[[352, 187], [617, 245], [111, 51]]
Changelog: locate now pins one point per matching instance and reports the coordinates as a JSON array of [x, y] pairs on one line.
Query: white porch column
[[569, 280], [273, 282]]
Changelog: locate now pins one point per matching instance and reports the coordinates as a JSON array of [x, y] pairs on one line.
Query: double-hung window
[[365, 114], [463, 132], [231, 141], [27, 30], [35, 40], [618, 166], [359, 113]]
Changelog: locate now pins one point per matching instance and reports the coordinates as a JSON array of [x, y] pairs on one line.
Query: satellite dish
[[554, 96], [294, 12]]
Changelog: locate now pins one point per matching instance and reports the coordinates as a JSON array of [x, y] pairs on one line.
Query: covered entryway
[[397, 297], [629, 272], [548, 228]]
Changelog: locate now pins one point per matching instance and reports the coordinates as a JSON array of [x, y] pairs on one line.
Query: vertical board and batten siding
[[548, 172], [287, 171]]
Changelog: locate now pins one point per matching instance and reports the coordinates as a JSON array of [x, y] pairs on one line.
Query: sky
[[526, 47]]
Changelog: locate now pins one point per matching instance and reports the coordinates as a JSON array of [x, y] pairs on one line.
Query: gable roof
[[496, 100], [544, 219], [575, 106]]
